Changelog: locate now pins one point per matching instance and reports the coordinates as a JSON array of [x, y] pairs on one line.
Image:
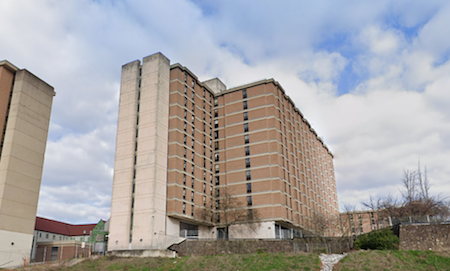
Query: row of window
[[193, 86]]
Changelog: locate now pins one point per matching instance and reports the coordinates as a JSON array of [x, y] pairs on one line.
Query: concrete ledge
[[142, 253]]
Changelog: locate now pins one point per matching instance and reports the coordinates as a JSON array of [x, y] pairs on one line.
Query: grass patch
[[358, 260], [395, 260]]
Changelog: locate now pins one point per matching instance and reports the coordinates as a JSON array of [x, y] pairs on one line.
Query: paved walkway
[[329, 260]]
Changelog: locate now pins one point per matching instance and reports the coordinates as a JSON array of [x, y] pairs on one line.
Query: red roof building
[[57, 227]]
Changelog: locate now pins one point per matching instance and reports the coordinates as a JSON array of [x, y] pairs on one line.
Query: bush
[[380, 240]]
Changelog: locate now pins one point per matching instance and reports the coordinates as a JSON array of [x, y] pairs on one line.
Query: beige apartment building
[[190, 153], [25, 106], [360, 222]]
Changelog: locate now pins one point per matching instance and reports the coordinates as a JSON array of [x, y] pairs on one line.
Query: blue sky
[[373, 78]]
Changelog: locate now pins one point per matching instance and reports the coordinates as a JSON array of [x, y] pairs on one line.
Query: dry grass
[[263, 261], [357, 260], [395, 260]]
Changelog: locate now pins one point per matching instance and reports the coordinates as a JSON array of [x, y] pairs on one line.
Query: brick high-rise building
[[25, 106], [185, 147]]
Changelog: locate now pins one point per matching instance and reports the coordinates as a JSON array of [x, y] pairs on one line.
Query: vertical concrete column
[[151, 165], [120, 224], [21, 165]]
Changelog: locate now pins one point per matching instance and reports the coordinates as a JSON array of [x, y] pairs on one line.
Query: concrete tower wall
[[21, 164], [140, 175]]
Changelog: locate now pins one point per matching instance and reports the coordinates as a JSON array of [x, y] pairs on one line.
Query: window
[[216, 156], [192, 182], [245, 116], [193, 83], [249, 201], [204, 104], [203, 93], [204, 127], [184, 165], [193, 142], [184, 193], [185, 77], [192, 210], [247, 162], [204, 175], [185, 101], [210, 178], [192, 156], [193, 94], [217, 180], [192, 196], [216, 102], [245, 127], [244, 94], [193, 118], [185, 126], [204, 200], [193, 108], [193, 131], [245, 105], [216, 123], [184, 179], [246, 139], [210, 190], [185, 89], [184, 208], [204, 188], [185, 113], [184, 152], [249, 187], [216, 134], [248, 175], [217, 192], [204, 115], [193, 167], [216, 145], [217, 168], [216, 113], [247, 150], [204, 140]]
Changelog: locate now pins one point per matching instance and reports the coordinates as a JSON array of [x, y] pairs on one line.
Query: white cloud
[[397, 112]]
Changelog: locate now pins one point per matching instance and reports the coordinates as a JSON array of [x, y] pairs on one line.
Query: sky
[[372, 77]]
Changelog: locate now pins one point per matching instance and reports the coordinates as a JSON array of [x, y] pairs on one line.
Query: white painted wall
[[15, 247], [264, 230]]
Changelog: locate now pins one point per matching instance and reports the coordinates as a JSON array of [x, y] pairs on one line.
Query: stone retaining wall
[[424, 236], [216, 247]]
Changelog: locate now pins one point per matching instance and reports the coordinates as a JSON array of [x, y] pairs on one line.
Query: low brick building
[[55, 240]]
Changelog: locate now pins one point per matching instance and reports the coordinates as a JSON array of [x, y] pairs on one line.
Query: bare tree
[[229, 209], [346, 222]]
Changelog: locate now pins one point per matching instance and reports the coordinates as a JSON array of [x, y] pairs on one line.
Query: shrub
[[380, 240]]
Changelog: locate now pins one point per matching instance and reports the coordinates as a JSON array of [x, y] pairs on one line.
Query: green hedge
[[380, 240]]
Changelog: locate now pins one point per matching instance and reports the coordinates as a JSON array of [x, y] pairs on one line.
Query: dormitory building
[[186, 148]]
